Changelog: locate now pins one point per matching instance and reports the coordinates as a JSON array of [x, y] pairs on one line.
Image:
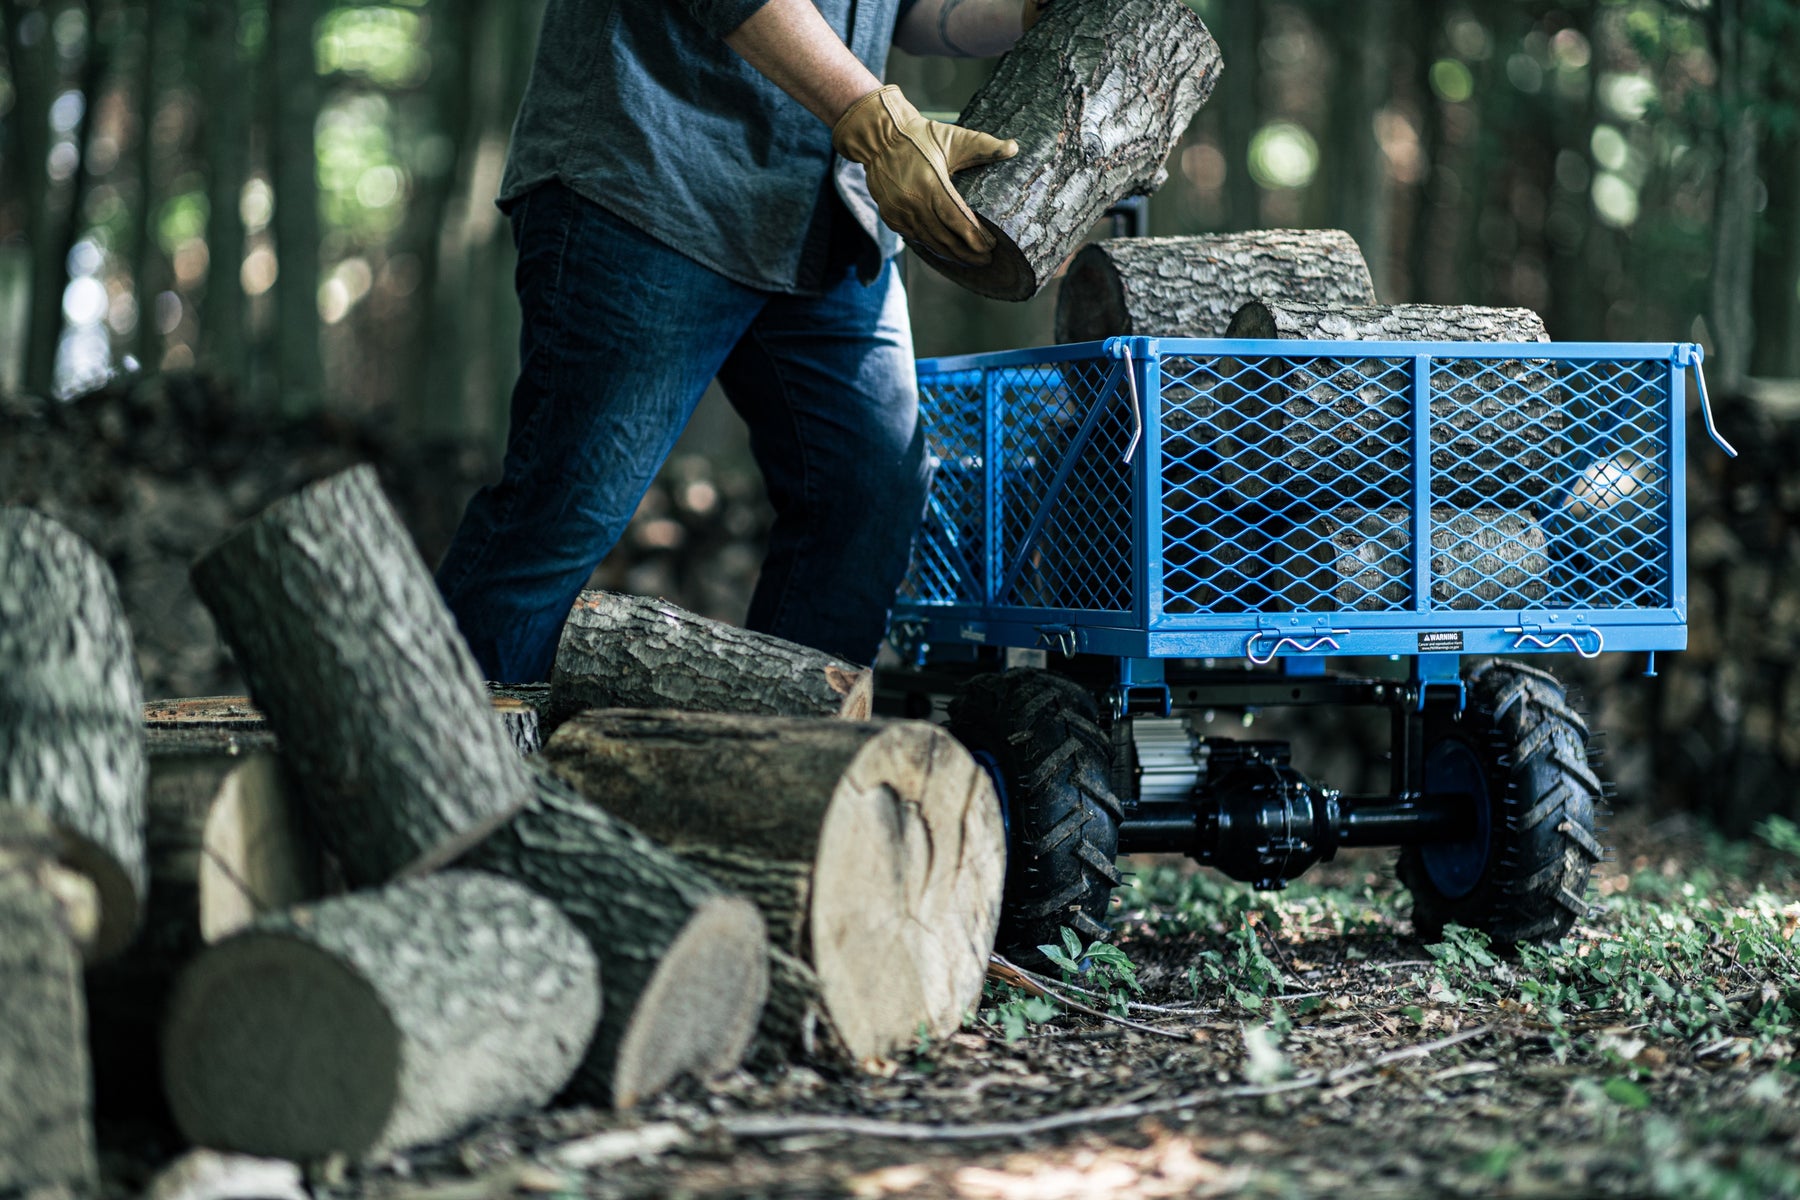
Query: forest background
[[286, 207]]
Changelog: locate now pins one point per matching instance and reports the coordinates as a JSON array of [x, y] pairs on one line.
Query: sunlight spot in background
[[256, 204], [84, 301], [349, 282], [1203, 165], [1525, 72], [1571, 49], [1628, 97], [1609, 147], [66, 110], [259, 272], [1283, 155], [1615, 200], [1400, 143], [1451, 80]]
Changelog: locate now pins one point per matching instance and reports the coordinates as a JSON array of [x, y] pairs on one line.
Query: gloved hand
[[909, 161]]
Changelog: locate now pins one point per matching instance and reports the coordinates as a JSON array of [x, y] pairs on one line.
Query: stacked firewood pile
[[363, 920], [153, 469]]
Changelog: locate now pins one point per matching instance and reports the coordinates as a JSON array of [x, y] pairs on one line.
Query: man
[[680, 214]]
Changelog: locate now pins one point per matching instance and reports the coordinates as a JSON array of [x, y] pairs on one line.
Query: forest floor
[[1294, 1045]]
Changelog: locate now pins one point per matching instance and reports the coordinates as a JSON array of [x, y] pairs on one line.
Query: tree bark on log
[[348, 647], [894, 825], [1190, 287], [684, 963], [621, 651], [380, 1020], [1497, 426], [46, 1138], [226, 845], [1097, 96], [69, 701]]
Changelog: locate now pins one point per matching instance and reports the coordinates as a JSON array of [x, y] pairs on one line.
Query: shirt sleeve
[[722, 17]]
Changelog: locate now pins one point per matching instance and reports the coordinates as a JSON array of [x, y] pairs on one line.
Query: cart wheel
[[1040, 735], [1521, 751]]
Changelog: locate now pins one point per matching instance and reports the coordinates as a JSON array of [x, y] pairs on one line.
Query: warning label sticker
[[1440, 641]]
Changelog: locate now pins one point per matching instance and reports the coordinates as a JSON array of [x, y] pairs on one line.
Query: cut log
[[518, 706], [686, 975], [1497, 425], [1097, 96], [69, 697], [349, 649], [226, 845], [379, 1020], [46, 1137], [894, 825], [621, 651], [1190, 287]]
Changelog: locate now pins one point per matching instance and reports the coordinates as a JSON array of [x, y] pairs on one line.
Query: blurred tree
[[293, 171], [162, 31], [1355, 176], [222, 326], [1240, 92], [35, 83]]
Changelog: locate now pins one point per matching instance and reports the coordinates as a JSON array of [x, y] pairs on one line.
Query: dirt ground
[[1299, 1045]]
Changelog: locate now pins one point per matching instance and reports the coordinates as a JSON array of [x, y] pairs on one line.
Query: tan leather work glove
[[909, 161]]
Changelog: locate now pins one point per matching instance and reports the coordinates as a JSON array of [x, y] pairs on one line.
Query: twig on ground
[[1167, 1010], [1003, 971], [758, 1125]]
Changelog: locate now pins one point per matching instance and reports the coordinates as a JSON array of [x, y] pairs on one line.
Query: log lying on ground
[[1097, 96], [874, 848], [46, 1138], [686, 975], [69, 697], [226, 844], [1497, 425], [379, 1020], [518, 706], [621, 651], [1190, 287], [349, 649]]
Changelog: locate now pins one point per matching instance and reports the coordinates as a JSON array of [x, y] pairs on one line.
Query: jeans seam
[[527, 433], [806, 474]]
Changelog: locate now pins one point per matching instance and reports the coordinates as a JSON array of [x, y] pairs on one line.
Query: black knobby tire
[[1042, 733], [1525, 877]]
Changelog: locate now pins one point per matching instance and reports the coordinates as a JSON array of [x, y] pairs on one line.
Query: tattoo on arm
[[943, 28]]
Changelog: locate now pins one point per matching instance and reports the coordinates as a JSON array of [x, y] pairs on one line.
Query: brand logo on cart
[[1440, 641], [969, 633]]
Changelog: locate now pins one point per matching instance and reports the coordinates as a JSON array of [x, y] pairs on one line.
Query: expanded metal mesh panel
[[1286, 484], [1321, 483], [1067, 546], [1556, 474], [951, 548]]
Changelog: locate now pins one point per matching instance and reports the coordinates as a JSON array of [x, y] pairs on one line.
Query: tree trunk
[[150, 273], [348, 647], [1190, 286], [1362, 40], [377, 1021], [227, 160], [1241, 113], [1730, 318], [685, 964], [621, 651], [894, 824], [1777, 291], [226, 846], [1097, 95], [1498, 429], [46, 1138], [69, 703], [293, 169]]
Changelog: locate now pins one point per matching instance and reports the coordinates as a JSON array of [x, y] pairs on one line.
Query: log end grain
[[685, 1022], [380, 1020], [906, 889], [1091, 303]]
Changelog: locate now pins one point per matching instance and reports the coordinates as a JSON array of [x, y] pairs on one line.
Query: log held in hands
[[1097, 95]]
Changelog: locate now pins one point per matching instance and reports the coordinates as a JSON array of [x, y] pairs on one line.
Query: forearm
[[964, 28], [790, 43]]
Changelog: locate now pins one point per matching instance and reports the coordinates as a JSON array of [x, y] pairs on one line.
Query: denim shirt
[[640, 106]]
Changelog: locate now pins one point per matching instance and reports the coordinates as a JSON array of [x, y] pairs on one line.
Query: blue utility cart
[[1160, 527]]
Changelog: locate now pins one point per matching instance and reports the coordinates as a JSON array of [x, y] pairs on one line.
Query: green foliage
[[1014, 1011], [1100, 967]]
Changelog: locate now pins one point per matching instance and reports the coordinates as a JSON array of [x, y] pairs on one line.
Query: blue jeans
[[621, 337]]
